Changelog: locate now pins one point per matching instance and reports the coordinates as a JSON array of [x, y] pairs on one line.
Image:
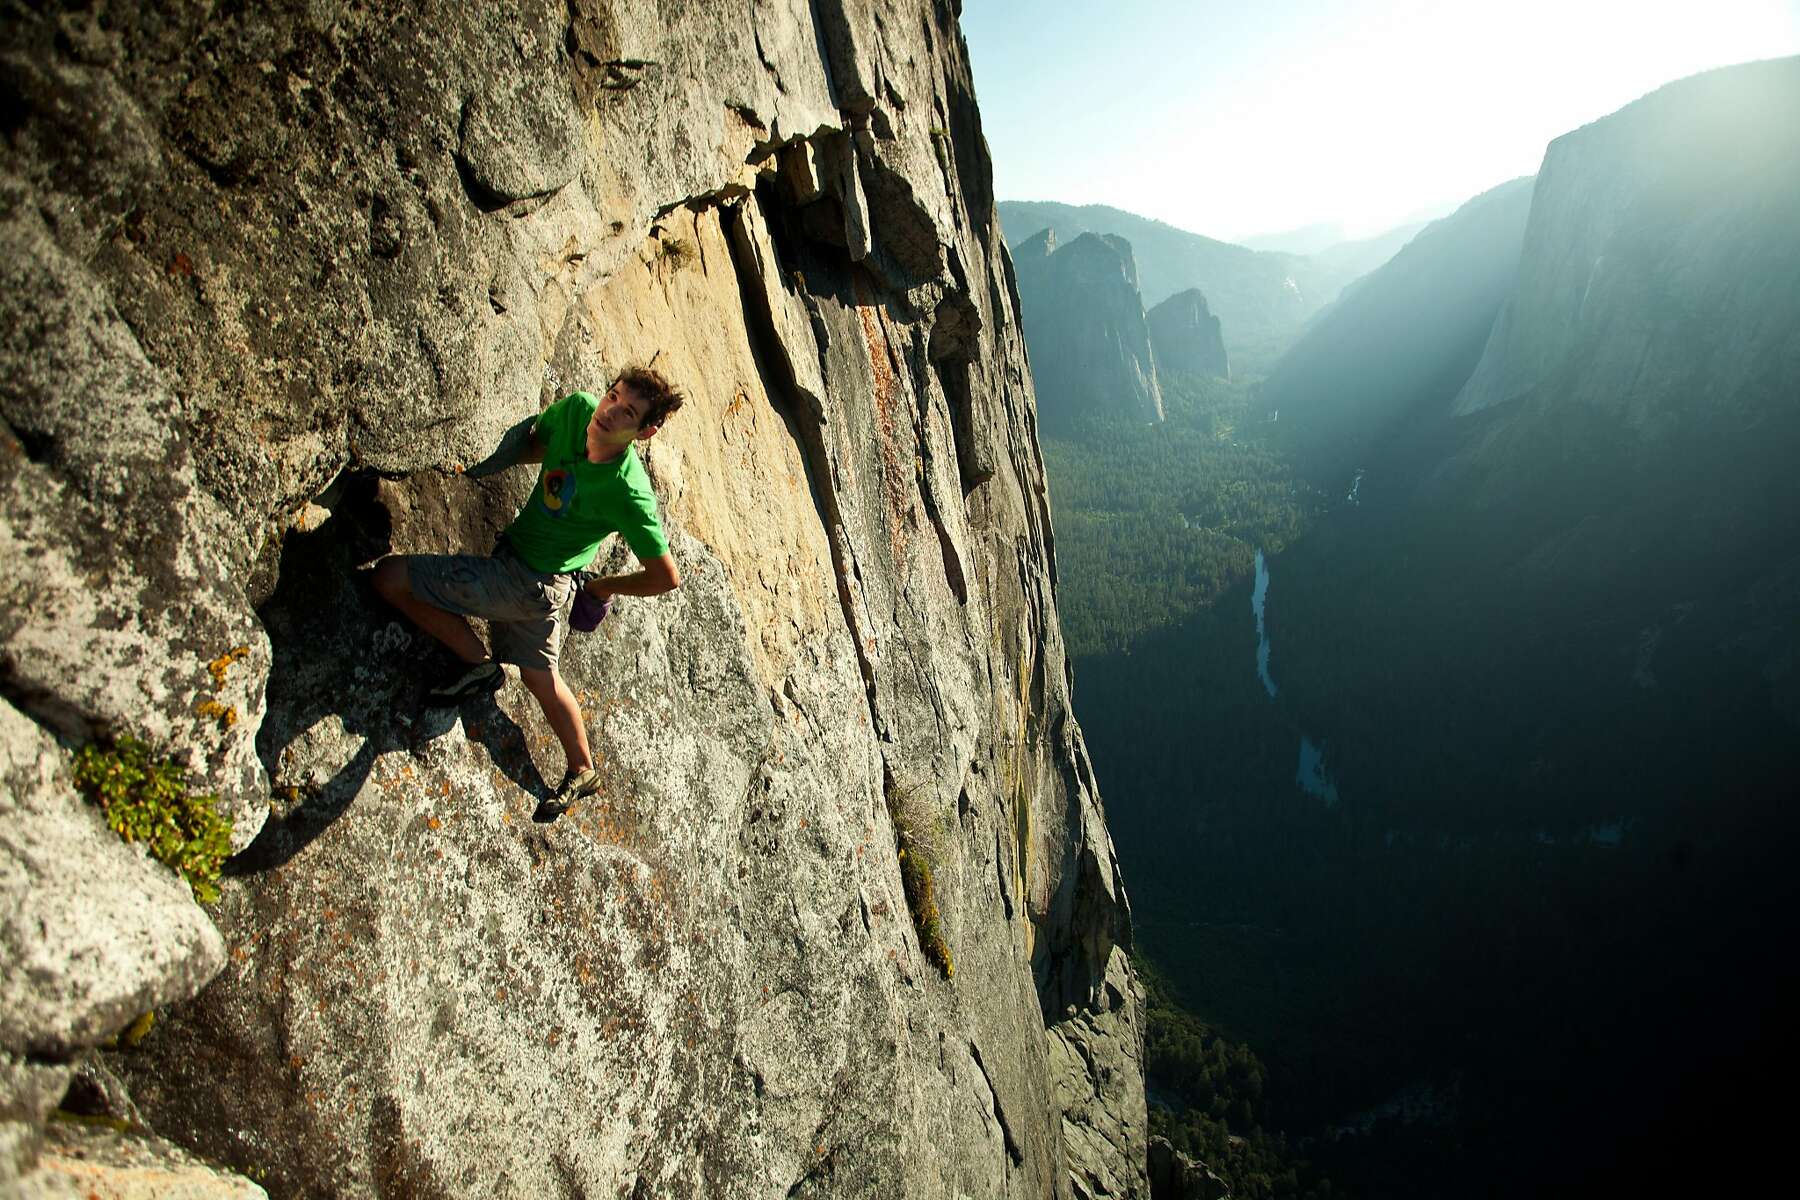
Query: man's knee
[[539, 682], [390, 577]]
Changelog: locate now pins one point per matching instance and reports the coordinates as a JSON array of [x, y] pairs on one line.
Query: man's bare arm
[[658, 576], [520, 444]]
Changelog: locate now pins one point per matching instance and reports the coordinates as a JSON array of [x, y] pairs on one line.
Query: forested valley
[[1155, 522], [1526, 898]]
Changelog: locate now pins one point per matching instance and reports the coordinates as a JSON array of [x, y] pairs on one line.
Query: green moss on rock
[[146, 800], [915, 877]]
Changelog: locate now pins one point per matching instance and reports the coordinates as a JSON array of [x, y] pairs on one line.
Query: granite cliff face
[[1644, 361], [1658, 264], [1186, 336], [1084, 324], [271, 277], [1658, 252]]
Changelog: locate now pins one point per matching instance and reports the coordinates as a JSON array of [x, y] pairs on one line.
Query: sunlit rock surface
[[275, 276], [83, 1161]]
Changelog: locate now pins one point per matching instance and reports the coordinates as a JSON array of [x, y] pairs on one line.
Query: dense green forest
[[1206, 1097], [1154, 522]]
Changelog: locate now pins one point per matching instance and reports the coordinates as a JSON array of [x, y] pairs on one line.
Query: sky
[[1234, 119]]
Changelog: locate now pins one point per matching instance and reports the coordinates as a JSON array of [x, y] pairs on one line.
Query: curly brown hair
[[661, 395]]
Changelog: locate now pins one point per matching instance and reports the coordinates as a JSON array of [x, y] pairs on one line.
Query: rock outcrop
[[85, 1161], [1652, 336], [1186, 336], [1084, 324], [91, 934], [1176, 1176], [272, 276]]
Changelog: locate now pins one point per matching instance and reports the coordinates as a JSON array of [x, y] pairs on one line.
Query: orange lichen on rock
[[222, 664], [225, 714]]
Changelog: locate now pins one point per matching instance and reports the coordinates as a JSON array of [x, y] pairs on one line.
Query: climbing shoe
[[575, 786], [482, 679]]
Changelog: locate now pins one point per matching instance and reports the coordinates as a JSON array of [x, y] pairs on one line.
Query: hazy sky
[[1238, 118]]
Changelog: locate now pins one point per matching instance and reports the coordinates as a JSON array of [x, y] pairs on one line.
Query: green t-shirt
[[577, 503]]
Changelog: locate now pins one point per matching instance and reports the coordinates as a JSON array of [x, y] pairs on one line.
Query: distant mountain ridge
[[1307, 239], [1358, 256], [1403, 339], [1263, 298]]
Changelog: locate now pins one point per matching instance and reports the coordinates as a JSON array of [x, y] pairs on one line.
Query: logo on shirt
[[558, 492]]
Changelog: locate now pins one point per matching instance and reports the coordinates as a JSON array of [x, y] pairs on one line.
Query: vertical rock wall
[[1656, 276], [275, 275], [1084, 319]]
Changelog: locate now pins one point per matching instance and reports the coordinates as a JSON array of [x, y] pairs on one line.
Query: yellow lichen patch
[[225, 714], [219, 666], [138, 1030]]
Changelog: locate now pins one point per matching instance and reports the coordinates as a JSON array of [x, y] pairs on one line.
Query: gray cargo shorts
[[527, 611]]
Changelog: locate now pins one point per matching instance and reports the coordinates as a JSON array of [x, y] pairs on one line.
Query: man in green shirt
[[590, 485]]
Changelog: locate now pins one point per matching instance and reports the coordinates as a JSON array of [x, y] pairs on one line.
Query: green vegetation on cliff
[[146, 800]]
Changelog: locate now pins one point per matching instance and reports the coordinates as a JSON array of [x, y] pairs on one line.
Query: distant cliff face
[[1659, 261], [1186, 336], [1653, 333], [1084, 324], [270, 278], [1583, 626]]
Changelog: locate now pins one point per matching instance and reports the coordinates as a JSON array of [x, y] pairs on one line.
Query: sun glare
[[1357, 114]]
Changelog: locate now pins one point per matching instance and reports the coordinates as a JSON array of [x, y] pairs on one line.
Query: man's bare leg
[[564, 715], [447, 627]]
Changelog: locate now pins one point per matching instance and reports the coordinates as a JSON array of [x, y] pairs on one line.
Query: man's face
[[617, 422]]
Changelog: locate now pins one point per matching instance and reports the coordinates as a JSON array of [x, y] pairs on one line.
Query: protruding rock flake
[[250, 345]]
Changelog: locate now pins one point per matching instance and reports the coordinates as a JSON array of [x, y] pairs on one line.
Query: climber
[[591, 484]]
